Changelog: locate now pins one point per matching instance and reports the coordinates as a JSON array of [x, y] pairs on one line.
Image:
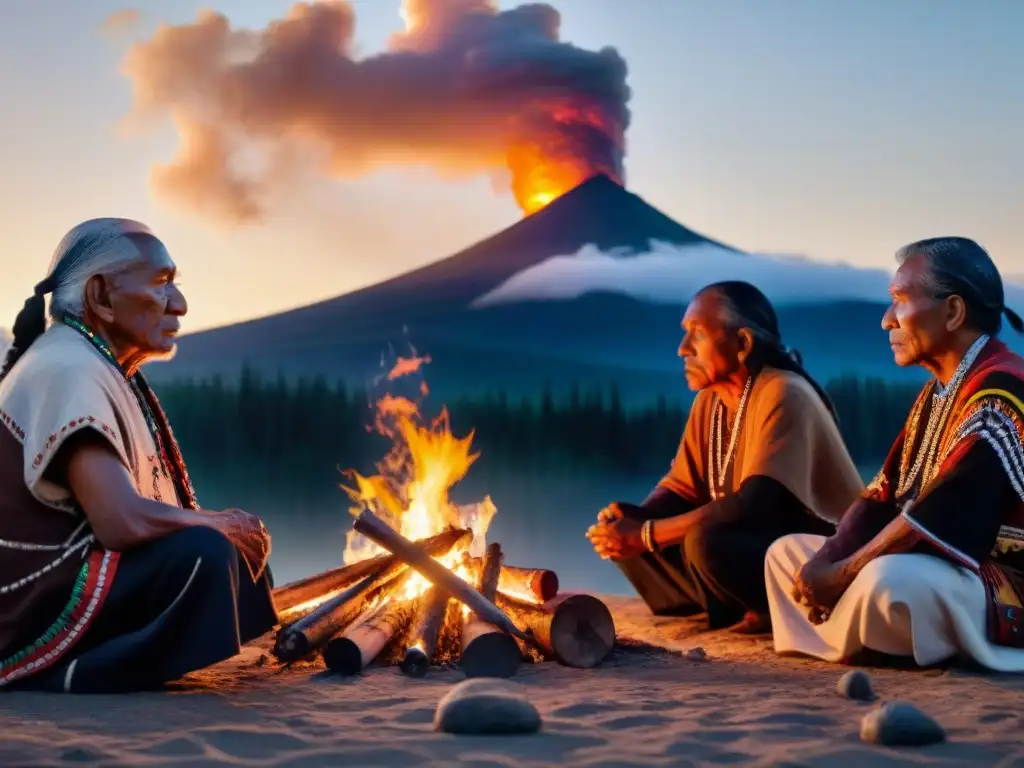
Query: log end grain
[[582, 631], [545, 584], [492, 654], [343, 657], [415, 664]]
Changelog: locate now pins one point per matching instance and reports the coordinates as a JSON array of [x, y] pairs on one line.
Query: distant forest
[[299, 435]]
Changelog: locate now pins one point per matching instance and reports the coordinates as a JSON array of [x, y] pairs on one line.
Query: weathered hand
[[250, 537], [819, 585], [617, 540], [610, 514], [817, 615], [801, 592]]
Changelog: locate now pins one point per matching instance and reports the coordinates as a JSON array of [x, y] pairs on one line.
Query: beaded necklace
[[169, 453], [925, 465], [715, 458]]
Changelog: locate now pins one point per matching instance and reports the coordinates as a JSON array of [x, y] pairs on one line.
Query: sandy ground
[[645, 706]]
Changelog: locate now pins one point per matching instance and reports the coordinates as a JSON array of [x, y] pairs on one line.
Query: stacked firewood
[[358, 614]]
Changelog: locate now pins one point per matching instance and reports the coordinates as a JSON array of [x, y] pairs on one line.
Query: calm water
[[540, 523]]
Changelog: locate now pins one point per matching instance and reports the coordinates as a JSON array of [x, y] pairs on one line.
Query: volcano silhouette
[[517, 347]]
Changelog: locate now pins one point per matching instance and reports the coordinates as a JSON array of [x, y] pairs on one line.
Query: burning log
[[522, 583], [487, 651], [313, 631], [576, 630], [290, 599], [425, 633], [373, 528], [351, 652]]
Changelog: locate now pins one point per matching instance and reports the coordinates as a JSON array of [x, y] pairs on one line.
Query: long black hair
[[88, 249], [29, 325], [751, 309], [958, 266]]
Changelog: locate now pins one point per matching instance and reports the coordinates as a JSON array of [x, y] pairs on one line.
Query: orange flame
[[410, 491], [407, 365]]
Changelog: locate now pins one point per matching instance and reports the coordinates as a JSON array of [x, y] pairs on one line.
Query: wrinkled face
[[709, 347], [919, 324], [145, 306]]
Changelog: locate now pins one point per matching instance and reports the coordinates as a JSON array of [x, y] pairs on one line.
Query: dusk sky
[[838, 129]]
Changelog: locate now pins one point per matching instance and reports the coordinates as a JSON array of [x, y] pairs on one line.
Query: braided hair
[[960, 267], [94, 247], [750, 308]]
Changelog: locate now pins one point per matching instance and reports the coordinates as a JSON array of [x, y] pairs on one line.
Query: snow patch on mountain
[[669, 273]]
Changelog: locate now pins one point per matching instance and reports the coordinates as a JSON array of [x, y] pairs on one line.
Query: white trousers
[[903, 605]]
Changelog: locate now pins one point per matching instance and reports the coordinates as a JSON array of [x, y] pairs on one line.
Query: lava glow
[[410, 490]]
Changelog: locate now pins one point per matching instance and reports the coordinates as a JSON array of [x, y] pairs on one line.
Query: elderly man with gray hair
[[112, 577], [929, 563]]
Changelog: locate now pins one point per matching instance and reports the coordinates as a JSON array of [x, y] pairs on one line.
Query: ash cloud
[[466, 89], [671, 274]]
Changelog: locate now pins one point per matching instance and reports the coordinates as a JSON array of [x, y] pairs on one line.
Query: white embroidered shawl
[[63, 384]]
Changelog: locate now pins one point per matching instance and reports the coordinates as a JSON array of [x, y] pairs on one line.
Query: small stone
[[696, 654], [899, 724], [486, 706], [856, 685]]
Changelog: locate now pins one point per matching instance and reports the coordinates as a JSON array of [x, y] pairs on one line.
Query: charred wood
[[290, 599], [384, 536], [352, 651], [425, 633], [487, 650]]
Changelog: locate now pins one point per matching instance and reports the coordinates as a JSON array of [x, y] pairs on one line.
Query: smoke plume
[[466, 89]]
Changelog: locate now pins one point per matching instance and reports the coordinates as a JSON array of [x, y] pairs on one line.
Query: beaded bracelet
[[647, 536]]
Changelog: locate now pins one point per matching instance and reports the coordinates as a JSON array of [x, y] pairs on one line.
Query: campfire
[[420, 585]]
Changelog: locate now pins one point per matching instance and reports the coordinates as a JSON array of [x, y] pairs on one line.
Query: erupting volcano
[[465, 89]]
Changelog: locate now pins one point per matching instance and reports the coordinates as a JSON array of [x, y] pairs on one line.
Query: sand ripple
[[647, 706]]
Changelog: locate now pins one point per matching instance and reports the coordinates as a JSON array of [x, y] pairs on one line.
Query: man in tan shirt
[[761, 457]]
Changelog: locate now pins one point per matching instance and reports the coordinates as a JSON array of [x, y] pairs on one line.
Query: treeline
[[300, 434]]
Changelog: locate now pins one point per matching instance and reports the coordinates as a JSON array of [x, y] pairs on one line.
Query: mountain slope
[[598, 212], [522, 346]]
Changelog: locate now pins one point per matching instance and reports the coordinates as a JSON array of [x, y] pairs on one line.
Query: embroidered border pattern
[[999, 425], [90, 590], [12, 425], [74, 425]]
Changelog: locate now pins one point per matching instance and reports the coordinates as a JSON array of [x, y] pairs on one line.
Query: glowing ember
[[407, 365], [308, 605], [410, 491]]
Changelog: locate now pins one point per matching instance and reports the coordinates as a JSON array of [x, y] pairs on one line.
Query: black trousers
[[718, 568], [177, 605]]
